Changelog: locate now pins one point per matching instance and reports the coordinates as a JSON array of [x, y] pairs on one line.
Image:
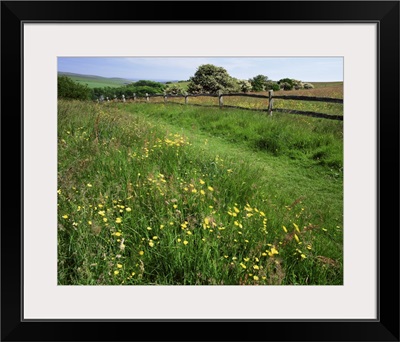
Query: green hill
[[97, 81]]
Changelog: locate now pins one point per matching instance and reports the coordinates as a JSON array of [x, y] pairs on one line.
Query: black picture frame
[[384, 328]]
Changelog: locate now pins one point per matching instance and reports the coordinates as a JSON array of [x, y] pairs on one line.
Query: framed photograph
[[192, 163]]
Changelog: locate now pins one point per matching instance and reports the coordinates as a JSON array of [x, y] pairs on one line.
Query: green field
[[97, 81], [154, 194]]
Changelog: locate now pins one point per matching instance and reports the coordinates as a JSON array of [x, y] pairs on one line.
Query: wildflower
[[90, 223], [105, 219], [202, 192], [243, 265], [303, 256], [89, 185], [274, 250], [119, 265], [324, 229], [309, 247], [255, 278], [185, 242], [284, 229], [148, 228], [210, 188], [161, 226], [236, 209], [202, 182], [256, 267], [59, 191], [297, 238], [246, 259], [141, 253], [101, 212], [262, 213], [155, 237], [117, 234], [151, 243], [128, 209], [116, 272], [65, 216], [296, 227], [179, 240]]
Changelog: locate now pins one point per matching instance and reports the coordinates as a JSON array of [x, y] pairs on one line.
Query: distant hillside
[[93, 81]]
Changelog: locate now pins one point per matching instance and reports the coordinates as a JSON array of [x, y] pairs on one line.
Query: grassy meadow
[[166, 194]]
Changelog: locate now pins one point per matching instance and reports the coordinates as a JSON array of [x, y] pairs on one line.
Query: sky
[[306, 69]]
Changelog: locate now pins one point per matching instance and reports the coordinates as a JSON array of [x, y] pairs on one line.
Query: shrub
[[245, 86], [259, 82], [69, 89], [308, 86]]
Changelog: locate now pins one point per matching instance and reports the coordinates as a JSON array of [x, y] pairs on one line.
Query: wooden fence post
[[186, 98], [165, 97], [134, 96], [270, 101], [220, 98], [147, 97]]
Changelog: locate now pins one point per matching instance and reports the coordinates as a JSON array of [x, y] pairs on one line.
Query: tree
[[259, 82], [210, 79], [69, 89]]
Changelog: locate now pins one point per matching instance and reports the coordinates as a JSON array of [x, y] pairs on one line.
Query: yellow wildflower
[[65, 216]]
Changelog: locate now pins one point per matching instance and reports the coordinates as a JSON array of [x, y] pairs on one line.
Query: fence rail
[[270, 98]]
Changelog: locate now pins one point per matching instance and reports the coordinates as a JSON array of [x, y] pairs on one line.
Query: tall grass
[[164, 195]]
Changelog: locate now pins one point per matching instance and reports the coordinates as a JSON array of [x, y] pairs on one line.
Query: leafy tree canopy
[[210, 79], [259, 82]]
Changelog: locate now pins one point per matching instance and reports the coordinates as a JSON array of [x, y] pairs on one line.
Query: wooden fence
[[269, 108]]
